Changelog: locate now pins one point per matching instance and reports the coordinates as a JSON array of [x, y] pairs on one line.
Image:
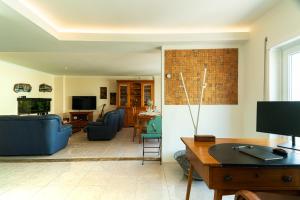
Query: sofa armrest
[[66, 129]]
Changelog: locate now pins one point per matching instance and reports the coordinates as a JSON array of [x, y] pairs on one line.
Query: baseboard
[[29, 160]]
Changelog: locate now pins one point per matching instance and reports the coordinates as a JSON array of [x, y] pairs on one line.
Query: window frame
[[287, 70]]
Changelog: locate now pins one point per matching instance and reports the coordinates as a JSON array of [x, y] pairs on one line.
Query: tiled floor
[[80, 147], [106, 180]]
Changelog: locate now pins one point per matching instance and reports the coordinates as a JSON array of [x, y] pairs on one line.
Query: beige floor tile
[[85, 193], [80, 147], [152, 191], [71, 178], [53, 192], [95, 178], [5, 187], [20, 192], [106, 180]]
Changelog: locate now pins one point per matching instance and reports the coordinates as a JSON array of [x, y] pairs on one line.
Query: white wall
[[64, 87], [11, 74], [275, 75], [157, 91], [59, 94], [219, 120], [90, 86], [280, 25]]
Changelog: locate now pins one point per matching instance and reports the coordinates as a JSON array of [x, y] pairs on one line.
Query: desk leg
[[189, 185], [218, 195]]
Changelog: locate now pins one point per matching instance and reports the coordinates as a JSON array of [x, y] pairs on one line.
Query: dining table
[[142, 120]]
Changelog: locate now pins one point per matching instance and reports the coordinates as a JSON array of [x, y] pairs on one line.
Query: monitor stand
[[290, 145]]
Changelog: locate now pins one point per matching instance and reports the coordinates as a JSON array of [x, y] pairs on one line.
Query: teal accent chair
[[153, 132]]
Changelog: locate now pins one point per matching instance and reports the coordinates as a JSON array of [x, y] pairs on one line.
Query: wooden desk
[[229, 180]]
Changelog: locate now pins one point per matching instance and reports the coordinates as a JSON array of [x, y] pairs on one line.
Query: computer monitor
[[279, 117]]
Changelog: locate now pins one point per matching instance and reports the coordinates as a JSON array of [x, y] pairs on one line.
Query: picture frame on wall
[[113, 98], [103, 92]]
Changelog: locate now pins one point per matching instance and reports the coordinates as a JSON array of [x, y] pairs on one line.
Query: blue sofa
[[32, 135], [121, 112], [105, 129]]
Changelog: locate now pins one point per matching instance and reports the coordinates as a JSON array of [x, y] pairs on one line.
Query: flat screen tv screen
[[84, 102]]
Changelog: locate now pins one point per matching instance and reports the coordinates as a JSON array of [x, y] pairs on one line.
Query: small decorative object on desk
[[197, 137]]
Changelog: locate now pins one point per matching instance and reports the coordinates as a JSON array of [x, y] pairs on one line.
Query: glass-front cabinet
[[124, 93], [134, 95], [147, 91]]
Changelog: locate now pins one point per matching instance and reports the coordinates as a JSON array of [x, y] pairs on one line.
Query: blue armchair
[[103, 130], [32, 135]]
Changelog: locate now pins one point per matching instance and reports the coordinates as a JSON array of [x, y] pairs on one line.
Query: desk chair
[[248, 195], [153, 132]]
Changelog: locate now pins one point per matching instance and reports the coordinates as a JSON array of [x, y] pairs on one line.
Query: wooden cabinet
[[133, 95], [124, 93]]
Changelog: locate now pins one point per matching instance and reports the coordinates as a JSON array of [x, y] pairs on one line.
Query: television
[[279, 117], [34, 105], [84, 102]]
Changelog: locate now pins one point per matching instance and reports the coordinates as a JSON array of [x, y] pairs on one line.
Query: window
[[291, 72], [294, 76]]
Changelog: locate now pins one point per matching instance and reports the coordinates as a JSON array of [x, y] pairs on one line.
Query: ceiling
[[116, 37]]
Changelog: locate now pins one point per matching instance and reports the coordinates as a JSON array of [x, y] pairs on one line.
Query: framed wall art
[[113, 98], [103, 92]]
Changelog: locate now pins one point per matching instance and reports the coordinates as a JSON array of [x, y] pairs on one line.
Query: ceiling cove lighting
[[42, 19], [35, 10], [38, 13]]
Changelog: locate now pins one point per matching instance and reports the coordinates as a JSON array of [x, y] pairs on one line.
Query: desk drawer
[[255, 178]]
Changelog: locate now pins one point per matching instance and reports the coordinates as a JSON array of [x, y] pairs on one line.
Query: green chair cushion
[[154, 125], [151, 135]]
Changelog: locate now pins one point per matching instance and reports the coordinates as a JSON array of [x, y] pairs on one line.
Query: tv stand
[[290, 145], [80, 120]]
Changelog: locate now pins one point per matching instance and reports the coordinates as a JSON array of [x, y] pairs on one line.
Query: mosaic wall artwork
[[222, 76]]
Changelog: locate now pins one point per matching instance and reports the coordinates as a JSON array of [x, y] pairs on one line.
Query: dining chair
[[136, 126], [153, 132]]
